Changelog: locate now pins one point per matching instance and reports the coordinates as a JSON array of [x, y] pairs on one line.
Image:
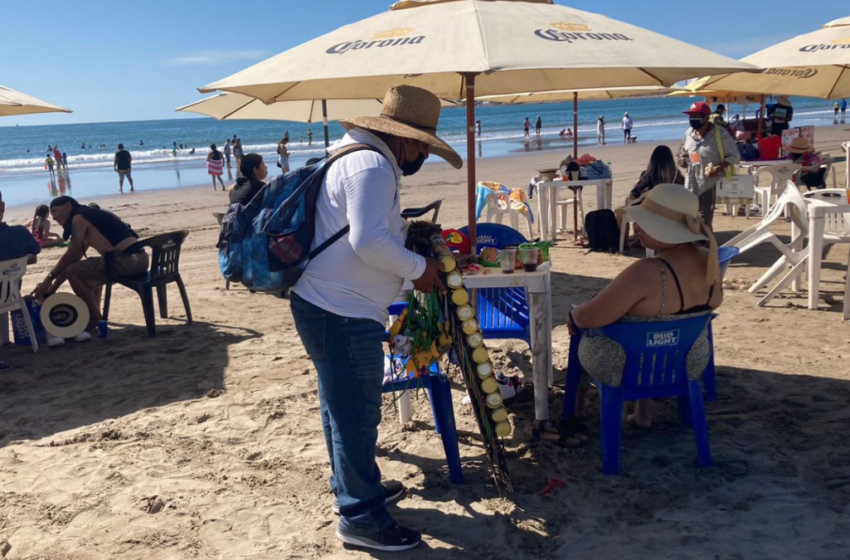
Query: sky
[[125, 61]]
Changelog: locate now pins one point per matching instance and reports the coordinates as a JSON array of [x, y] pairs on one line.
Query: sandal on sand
[[544, 432], [574, 427]]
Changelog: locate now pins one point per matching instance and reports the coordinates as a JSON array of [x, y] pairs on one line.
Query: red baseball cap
[[699, 108]]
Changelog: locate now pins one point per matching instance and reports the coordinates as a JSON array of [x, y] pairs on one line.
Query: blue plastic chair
[[440, 394], [656, 367], [502, 312], [724, 256]]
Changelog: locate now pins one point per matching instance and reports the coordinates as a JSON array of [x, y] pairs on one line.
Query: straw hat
[[783, 100], [409, 112], [670, 213], [799, 146]]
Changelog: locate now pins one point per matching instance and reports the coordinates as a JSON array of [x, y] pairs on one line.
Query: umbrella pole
[[575, 124], [761, 116], [469, 80], [325, 121]]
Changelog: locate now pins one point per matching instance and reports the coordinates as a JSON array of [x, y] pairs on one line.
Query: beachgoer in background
[[843, 106], [286, 135], [562, 133], [309, 136], [227, 152], [253, 171], [83, 146], [600, 130], [57, 156], [48, 163], [123, 164], [538, 125], [780, 115], [238, 153], [215, 165], [746, 150], [803, 153], [569, 132], [835, 108], [627, 127], [141, 142], [65, 161], [717, 116], [681, 282], [99, 230], [661, 169], [701, 154], [526, 128], [40, 228], [346, 313], [174, 149], [283, 155], [478, 129], [300, 139]]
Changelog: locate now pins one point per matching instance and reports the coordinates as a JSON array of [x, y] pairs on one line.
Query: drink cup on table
[[507, 260], [529, 256]]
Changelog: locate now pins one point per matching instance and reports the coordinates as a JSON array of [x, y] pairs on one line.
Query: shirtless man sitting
[[105, 233]]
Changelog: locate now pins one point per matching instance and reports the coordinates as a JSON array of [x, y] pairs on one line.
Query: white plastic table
[[547, 196], [538, 286], [817, 211]]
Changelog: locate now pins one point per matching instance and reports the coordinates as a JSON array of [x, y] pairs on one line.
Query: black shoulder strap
[[345, 150], [676, 279]]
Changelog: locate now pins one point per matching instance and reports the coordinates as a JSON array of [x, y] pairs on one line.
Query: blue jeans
[[349, 357]]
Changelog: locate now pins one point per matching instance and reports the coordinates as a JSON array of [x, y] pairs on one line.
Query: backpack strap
[[345, 150]]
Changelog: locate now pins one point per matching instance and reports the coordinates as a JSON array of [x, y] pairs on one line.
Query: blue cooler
[[19, 327]]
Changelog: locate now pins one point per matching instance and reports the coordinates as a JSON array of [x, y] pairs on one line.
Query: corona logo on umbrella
[[390, 38], [834, 44], [799, 73], [565, 32]]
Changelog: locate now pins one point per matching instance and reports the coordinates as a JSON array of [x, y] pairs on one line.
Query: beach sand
[[206, 443]]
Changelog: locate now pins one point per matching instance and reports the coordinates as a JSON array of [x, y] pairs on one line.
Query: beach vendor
[[682, 281], [340, 303], [708, 151], [102, 231]]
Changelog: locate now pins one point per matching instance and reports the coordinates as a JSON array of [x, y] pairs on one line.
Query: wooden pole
[[469, 80], [761, 115], [575, 124], [325, 122]]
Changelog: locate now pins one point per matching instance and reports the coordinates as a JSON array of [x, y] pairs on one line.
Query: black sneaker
[[394, 538], [393, 490]]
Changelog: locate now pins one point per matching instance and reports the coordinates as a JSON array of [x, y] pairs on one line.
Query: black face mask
[[411, 167], [696, 124]]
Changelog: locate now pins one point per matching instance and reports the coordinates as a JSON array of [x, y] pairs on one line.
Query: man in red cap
[[710, 154]]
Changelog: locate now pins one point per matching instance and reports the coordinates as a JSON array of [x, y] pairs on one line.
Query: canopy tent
[[575, 96], [469, 48], [14, 102]]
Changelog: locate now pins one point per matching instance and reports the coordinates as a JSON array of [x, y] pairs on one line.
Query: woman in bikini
[[683, 280]]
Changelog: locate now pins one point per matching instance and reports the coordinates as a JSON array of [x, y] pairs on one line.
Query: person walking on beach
[[238, 153], [478, 128], [65, 161], [835, 108], [57, 156], [627, 127], [538, 125], [48, 164], [283, 155], [340, 318], [708, 151], [600, 130], [843, 106], [286, 135], [227, 152], [309, 136], [123, 164], [215, 165], [526, 128]]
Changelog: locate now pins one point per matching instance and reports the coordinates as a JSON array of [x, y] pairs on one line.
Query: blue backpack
[[266, 243]]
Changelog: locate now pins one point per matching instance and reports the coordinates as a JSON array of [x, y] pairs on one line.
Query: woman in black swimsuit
[[667, 221]]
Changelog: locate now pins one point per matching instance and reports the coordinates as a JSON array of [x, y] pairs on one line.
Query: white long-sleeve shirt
[[361, 274]]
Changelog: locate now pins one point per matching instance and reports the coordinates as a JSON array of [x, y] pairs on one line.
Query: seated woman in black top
[[254, 171], [661, 169]]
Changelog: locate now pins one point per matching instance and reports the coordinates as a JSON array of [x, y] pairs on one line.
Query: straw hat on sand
[[409, 112], [799, 146], [670, 214]]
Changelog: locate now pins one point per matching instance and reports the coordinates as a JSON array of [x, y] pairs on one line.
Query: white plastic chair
[[846, 147], [780, 174], [836, 230], [499, 204], [791, 201], [11, 273], [563, 205]]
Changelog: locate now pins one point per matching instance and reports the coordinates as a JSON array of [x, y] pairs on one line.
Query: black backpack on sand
[[603, 233]]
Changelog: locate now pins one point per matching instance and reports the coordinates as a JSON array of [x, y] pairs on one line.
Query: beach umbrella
[[469, 48], [576, 96], [234, 106], [14, 102], [812, 65]]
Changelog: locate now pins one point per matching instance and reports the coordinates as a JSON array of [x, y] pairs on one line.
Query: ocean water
[[23, 179]]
